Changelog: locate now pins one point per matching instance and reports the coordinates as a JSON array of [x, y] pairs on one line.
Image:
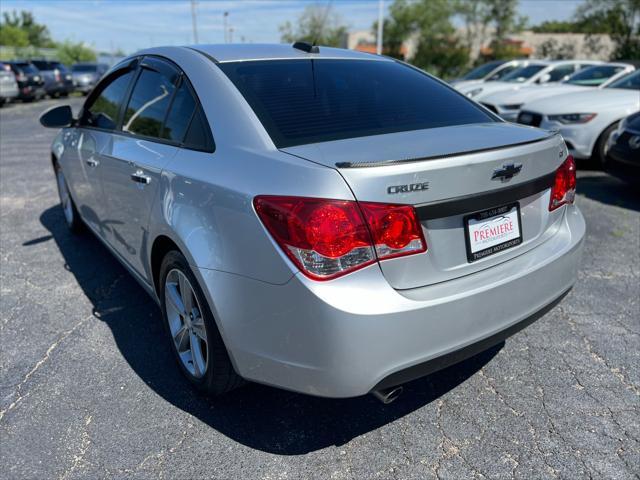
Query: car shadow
[[260, 417], [605, 188]]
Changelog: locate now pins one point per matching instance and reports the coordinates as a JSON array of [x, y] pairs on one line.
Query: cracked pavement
[[88, 388]]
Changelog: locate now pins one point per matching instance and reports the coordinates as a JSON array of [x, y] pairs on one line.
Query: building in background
[[526, 43]]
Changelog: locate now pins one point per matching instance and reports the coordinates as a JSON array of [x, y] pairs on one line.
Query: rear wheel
[[194, 336], [74, 222]]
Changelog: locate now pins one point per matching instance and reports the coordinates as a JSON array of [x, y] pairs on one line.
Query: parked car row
[[586, 101], [29, 80]]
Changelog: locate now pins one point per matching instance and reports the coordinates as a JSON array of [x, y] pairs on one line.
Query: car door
[[96, 124], [133, 159]]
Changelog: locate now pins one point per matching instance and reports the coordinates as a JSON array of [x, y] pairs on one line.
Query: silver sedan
[[317, 219]]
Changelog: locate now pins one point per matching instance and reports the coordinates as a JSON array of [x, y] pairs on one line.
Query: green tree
[[317, 25], [619, 18], [69, 52], [11, 36], [427, 23], [38, 35]]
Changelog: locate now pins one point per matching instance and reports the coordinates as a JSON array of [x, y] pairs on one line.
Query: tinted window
[[594, 75], [84, 68], [629, 82], [103, 112], [523, 74], [483, 70], [560, 72], [502, 73], [300, 101], [198, 136], [180, 115], [148, 105], [42, 65], [26, 68]]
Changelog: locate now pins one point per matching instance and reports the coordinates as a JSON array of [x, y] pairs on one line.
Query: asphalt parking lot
[[88, 387]]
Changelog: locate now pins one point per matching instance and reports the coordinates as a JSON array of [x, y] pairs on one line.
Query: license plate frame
[[487, 215]]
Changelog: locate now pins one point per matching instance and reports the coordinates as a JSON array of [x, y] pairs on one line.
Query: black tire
[[219, 376], [600, 148], [70, 213]]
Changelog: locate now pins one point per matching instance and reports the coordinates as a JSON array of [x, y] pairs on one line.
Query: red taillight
[[564, 185], [329, 238]]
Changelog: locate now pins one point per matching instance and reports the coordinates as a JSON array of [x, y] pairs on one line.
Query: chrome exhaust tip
[[388, 395]]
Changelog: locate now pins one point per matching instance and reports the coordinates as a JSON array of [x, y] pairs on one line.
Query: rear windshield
[[84, 68], [26, 68], [308, 101]]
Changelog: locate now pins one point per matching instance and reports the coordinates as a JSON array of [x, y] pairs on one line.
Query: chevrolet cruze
[[316, 219]]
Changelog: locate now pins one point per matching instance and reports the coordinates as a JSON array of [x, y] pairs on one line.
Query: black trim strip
[[483, 201], [213, 59], [440, 363], [436, 157]]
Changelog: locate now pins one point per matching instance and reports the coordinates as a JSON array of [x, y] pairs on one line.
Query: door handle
[[92, 162], [140, 177]]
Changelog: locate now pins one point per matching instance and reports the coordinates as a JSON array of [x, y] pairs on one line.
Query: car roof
[[256, 51]]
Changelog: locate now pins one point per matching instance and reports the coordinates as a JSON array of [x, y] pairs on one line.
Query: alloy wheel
[[186, 323]]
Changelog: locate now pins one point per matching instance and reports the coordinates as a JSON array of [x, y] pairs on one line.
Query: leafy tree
[[317, 25], [38, 35], [555, 51], [619, 18], [13, 36], [69, 52], [429, 24]]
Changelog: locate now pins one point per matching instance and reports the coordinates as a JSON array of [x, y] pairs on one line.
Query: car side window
[[102, 112], [186, 123], [148, 104], [198, 135], [180, 115]]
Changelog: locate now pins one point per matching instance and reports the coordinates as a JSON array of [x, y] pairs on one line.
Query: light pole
[[193, 21], [224, 17], [380, 24]]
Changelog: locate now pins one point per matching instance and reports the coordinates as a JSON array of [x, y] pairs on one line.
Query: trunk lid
[[446, 173]]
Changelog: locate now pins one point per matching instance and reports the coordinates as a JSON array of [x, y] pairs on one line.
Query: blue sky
[[131, 25]]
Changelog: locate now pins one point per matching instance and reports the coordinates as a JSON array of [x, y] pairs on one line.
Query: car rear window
[[308, 101], [84, 68], [26, 68]]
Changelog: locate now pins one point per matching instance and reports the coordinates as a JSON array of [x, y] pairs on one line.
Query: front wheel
[[194, 336], [74, 222], [601, 149]]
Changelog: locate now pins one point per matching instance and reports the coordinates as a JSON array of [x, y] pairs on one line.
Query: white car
[[586, 119], [489, 72], [507, 103], [538, 72]]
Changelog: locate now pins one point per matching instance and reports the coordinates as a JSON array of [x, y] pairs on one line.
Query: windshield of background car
[[522, 74], [629, 82], [594, 76], [308, 101], [84, 68], [482, 71]]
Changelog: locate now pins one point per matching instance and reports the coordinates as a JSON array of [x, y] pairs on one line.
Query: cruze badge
[[409, 188], [507, 172]]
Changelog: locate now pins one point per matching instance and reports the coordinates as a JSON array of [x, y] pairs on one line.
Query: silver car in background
[[8, 85], [316, 219]]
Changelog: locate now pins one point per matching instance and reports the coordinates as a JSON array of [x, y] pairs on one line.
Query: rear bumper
[[345, 337]]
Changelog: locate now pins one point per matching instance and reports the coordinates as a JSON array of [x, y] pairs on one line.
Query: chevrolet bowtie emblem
[[507, 172]]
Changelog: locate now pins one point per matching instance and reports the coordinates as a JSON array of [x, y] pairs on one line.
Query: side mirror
[[545, 78], [57, 117]]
